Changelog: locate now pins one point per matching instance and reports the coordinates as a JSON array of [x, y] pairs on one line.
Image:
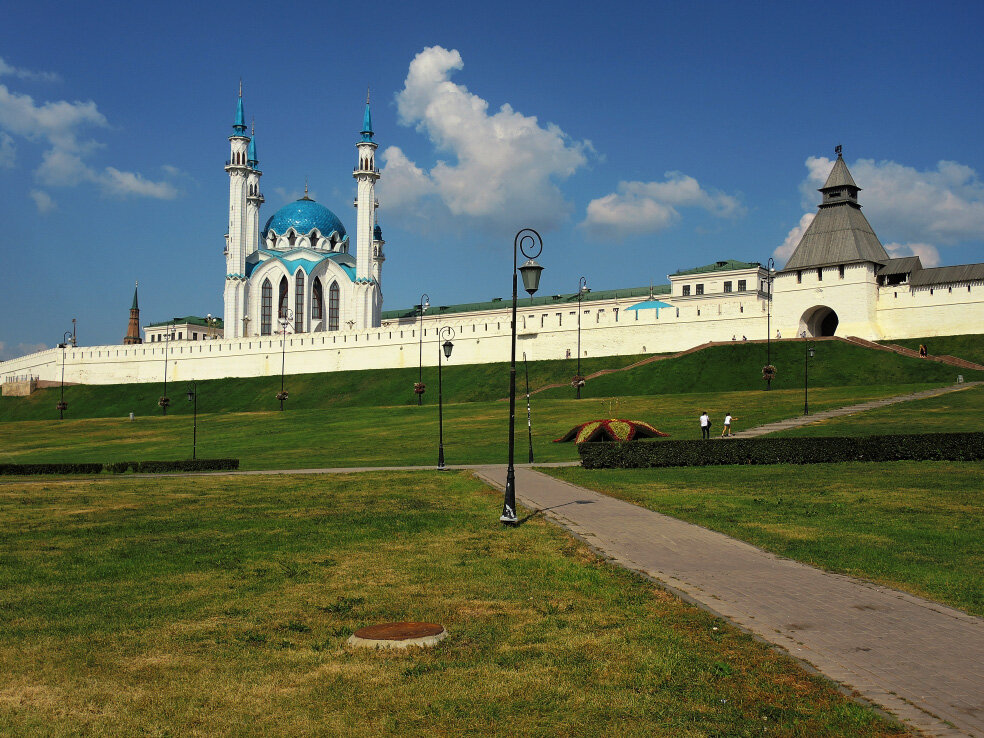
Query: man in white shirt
[[705, 425]]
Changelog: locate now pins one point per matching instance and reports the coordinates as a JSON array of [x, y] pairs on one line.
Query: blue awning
[[650, 304]]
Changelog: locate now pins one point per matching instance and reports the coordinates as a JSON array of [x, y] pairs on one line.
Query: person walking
[[705, 425], [726, 431]]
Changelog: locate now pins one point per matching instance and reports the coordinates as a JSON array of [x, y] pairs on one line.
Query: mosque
[[294, 293]]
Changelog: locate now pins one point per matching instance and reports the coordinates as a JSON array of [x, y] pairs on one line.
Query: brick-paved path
[[922, 661]]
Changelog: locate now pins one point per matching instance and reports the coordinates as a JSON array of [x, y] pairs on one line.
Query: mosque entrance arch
[[819, 321]]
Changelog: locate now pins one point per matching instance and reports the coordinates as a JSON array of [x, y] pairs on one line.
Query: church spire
[[134, 306], [240, 125]]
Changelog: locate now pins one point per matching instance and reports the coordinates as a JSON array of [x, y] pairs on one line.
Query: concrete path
[[922, 661], [801, 420]]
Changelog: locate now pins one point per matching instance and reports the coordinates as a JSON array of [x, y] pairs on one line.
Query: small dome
[[304, 216]]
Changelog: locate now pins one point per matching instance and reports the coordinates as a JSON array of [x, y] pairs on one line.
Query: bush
[[155, 467], [120, 467], [50, 468], [915, 447]]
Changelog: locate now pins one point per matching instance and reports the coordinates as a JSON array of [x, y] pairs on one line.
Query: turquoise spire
[[240, 125], [367, 122], [251, 153]]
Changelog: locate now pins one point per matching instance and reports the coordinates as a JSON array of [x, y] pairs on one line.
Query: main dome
[[304, 216]]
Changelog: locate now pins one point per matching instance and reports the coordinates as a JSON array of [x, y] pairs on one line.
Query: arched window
[[282, 300], [317, 300], [299, 302], [333, 300], [266, 307]]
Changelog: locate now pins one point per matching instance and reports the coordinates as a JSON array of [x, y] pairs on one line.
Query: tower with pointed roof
[[244, 200], [368, 292], [830, 282], [132, 336]]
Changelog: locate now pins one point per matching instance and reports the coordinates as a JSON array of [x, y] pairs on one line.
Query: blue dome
[[304, 216]]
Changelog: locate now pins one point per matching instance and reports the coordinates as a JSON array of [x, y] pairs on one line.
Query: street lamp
[[582, 287], [419, 387], [525, 239], [286, 318], [245, 326], [165, 400], [769, 371], [193, 397], [811, 349], [529, 410], [62, 406], [447, 333], [210, 325]]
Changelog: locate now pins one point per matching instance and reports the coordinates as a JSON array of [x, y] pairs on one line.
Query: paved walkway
[[836, 412], [922, 661]]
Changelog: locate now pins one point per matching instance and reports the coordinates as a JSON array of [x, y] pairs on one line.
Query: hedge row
[[121, 467], [50, 468], [653, 453]]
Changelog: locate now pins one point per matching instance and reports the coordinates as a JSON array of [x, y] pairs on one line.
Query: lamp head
[[531, 276], [447, 346], [191, 395]]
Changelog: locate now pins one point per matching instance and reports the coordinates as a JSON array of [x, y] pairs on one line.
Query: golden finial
[[240, 87], [305, 187], [252, 127], [367, 94]]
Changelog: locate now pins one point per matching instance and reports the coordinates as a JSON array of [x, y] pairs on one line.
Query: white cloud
[[8, 151], [60, 125], [793, 237], [927, 254], [287, 196], [43, 201], [7, 69], [503, 167], [21, 349], [647, 207]]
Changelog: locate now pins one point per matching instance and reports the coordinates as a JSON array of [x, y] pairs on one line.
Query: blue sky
[[639, 138]]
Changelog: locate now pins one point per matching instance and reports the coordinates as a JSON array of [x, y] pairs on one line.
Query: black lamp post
[[62, 406], [525, 239], [811, 349], [582, 287], [769, 266], [529, 409], [419, 387], [447, 333], [165, 400], [286, 317], [193, 397]]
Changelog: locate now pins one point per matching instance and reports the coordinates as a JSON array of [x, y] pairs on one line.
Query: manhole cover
[[398, 635]]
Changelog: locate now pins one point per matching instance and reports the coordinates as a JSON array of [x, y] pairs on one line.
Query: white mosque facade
[[295, 293]]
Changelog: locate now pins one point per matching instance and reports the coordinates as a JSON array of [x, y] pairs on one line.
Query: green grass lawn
[[949, 413], [917, 526], [391, 436], [221, 605]]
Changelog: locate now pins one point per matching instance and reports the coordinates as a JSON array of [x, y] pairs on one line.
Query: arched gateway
[[819, 321]]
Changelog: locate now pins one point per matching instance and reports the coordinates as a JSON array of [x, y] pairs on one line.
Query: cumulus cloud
[[27, 74], [793, 237], [61, 126], [21, 349], [916, 210], [43, 201], [928, 254], [502, 167], [647, 207], [8, 151]]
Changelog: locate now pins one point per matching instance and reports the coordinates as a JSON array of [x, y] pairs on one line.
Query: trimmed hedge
[[155, 467], [915, 447], [120, 467], [50, 468]]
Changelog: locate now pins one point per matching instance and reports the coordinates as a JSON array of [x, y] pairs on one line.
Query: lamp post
[[193, 397], [582, 287], [165, 400], [419, 387], [286, 317], [62, 406], [529, 410], [447, 333], [769, 266], [245, 326], [525, 239], [210, 326], [74, 342], [811, 349]]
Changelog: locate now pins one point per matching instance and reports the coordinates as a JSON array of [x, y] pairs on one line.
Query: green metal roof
[[189, 319], [504, 302], [718, 266]]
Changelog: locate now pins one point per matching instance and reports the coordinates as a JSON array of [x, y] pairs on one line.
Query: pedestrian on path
[[727, 425], [705, 425]]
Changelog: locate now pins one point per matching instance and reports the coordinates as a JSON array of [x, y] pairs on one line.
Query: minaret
[[132, 336], [367, 295], [237, 238], [254, 198]]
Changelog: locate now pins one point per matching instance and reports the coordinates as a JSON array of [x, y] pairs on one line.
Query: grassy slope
[[970, 347], [222, 607], [729, 368], [390, 436], [918, 526]]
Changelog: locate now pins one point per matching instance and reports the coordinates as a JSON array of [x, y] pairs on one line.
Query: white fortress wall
[[941, 310]]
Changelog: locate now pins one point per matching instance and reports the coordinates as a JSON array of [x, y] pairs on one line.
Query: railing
[[20, 378]]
